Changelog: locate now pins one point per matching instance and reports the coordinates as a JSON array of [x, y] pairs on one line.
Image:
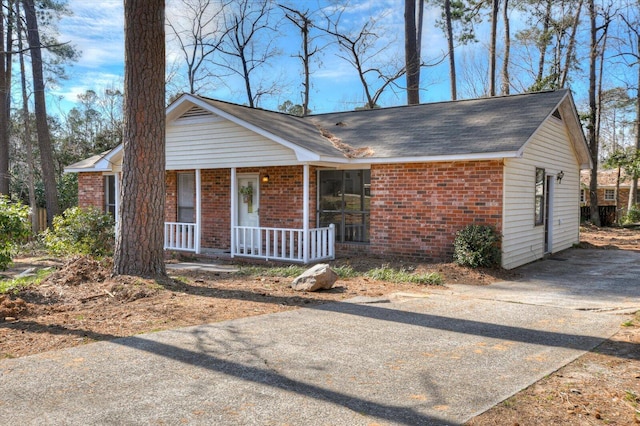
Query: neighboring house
[[608, 192], [393, 182]]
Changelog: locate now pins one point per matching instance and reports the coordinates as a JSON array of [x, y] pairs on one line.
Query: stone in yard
[[319, 277]]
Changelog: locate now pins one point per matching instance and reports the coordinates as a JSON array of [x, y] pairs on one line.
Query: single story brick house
[[395, 181], [609, 194]]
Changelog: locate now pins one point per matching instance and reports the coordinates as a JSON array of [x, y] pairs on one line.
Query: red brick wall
[[171, 196], [623, 198], [281, 199], [416, 209], [91, 190], [216, 209]]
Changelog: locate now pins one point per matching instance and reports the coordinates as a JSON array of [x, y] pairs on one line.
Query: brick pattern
[[91, 190], [216, 209], [281, 199], [416, 209], [623, 198]]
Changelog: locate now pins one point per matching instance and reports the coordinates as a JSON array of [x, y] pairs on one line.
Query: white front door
[[248, 209]]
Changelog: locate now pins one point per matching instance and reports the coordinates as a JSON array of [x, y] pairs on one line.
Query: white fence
[[285, 244], [180, 236]]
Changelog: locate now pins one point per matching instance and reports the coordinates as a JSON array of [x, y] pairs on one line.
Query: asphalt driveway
[[439, 359]]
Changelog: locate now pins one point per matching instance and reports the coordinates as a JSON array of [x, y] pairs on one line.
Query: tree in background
[[248, 45], [302, 21], [198, 29], [6, 45], [630, 15], [362, 47], [140, 236], [42, 126], [458, 18], [413, 16]]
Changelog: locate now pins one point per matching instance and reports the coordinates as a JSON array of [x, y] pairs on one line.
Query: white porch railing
[[180, 236], [285, 244]]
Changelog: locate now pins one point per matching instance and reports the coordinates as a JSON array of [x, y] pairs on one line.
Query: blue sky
[[96, 29]]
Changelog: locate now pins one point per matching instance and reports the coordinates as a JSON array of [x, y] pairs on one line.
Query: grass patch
[[272, 271], [17, 284], [346, 271], [402, 276]]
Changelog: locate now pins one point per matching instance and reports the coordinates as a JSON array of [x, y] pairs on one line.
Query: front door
[[248, 209]]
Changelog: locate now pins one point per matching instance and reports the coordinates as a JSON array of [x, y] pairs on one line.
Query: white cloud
[[97, 30]]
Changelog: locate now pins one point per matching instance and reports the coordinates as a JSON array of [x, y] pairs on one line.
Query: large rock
[[319, 277]]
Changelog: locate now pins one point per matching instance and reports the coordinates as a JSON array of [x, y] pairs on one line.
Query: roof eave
[[483, 156]]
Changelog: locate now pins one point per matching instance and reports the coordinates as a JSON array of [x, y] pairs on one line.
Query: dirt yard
[[79, 303]]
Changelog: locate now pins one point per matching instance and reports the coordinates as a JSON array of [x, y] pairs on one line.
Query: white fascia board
[[436, 158], [302, 154]]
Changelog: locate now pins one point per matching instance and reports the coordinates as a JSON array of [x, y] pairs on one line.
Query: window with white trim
[[110, 194], [609, 194], [186, 197], [344, 199]]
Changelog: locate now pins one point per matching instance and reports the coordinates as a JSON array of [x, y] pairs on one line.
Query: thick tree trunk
[[31, 166], [412, 56], [506, 82], [591, 124], [451, 49], [42, 126], [492, 47], [5, 89], [140, 239]]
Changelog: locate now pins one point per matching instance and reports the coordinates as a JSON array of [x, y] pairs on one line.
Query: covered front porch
[[247, 235]]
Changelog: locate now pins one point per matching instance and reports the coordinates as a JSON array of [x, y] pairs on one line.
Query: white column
[[234, 204], [116, 180], [198, 211], [305, 213]]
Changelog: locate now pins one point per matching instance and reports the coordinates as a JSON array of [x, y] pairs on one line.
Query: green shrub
[[632, 216], [14, 228], [477, 245], [81, 232]]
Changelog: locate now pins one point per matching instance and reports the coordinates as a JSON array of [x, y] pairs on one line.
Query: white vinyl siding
[[523, 242], [213, 142]]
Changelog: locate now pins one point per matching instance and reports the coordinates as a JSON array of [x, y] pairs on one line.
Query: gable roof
[[494, 127], [606, 178], [488, 128], [102, 162]]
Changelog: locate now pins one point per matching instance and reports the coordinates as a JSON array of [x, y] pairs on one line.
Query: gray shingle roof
[[479, 126]]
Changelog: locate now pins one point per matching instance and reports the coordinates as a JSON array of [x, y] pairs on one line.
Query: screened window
[[344, 200], [110, 195], [610, 194], [186, 197], [539, 197]]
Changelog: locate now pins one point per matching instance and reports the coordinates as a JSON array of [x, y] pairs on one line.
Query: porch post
[[198, 211], [116, 180], [232, 209], [305, 213]]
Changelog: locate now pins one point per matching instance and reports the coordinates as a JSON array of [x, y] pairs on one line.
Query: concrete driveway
[[439, 359]]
